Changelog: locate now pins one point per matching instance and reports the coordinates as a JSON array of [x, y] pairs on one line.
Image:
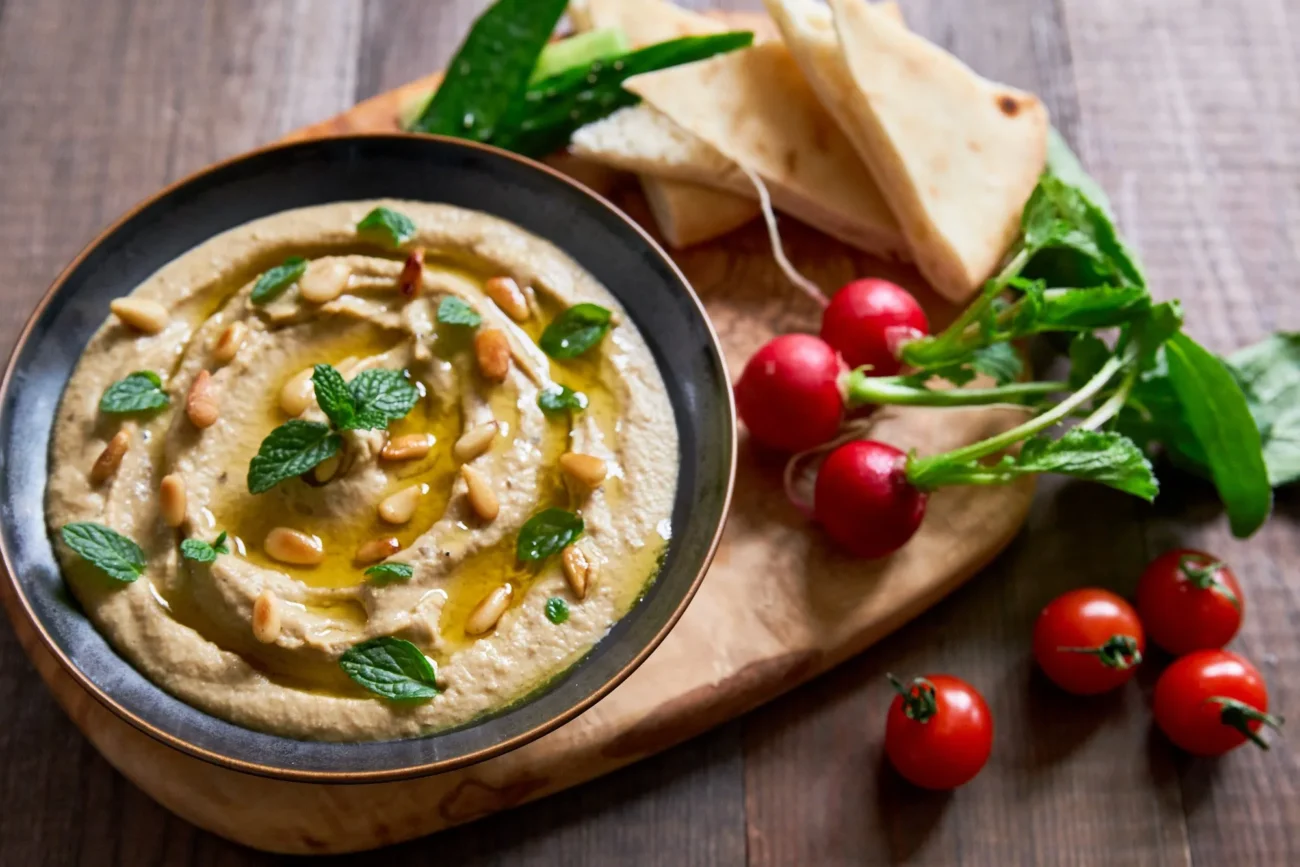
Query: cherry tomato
[[1211, 701], [1189, 600], [939, 731], [1088, 641]]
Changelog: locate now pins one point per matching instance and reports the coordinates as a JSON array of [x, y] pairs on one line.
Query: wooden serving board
[[778, 606]]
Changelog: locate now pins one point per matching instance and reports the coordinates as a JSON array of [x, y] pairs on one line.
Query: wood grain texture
[[1188, 112]]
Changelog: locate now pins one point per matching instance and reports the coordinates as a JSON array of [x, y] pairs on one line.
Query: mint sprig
[[391, 226], [272, 283], [393, 668], [560, 398], [386, 573], [575, 331], [547, 533], [140, 391], [106, 549], [291, 450], [204, 552], [454, 311]]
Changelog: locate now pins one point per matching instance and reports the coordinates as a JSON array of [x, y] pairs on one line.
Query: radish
[[864, 499], [869, 320], [789, 393]]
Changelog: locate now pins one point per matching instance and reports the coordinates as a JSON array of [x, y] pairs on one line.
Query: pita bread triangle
[[956, 155]]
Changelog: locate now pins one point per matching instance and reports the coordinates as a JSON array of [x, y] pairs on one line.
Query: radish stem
[[864, 390]]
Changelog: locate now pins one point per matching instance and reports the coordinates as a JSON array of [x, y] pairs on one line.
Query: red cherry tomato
[[789, 393], [1088, 641], [864, 500], [939, 731], [868, 320], [1211, 701], [1189, 600]]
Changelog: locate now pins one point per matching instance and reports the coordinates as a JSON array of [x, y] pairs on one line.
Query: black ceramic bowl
[[593, 232]]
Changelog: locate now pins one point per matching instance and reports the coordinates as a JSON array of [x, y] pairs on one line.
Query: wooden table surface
[[1188, 111]]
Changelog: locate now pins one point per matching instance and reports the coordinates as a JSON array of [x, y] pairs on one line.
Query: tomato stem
[[1205, 576], [920, 701], [1118, 651], [1239, 715]]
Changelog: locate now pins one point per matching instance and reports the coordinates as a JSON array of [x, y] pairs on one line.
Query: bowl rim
[[428, 768]]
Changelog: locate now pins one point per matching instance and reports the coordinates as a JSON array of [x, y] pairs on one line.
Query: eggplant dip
[[363, 470]]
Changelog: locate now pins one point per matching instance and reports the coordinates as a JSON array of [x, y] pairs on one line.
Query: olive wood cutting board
[[778, 606]]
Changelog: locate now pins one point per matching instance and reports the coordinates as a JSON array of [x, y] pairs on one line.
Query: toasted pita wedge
[[754, 107], [689, 214], [956, 155]]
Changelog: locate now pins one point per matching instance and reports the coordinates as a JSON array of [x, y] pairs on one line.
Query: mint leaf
[[108, 550], [385, 573], [380, 395], [561, 398], [547, 533], [291, 450], [391, 667], [204, 552], [394, 228], [269, 286], [454, 311], [1059, 216], [1086, 309], [1088, 353], [333, 396], [1216, 411], [574, 331], [137, 392], [1269, 375], [557, 610]]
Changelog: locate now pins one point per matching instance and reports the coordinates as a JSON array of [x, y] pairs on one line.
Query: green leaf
[[386, 573], [1269, 375], [204, 552], [381, 395], [1217, 413], [1088, 353], [1152, 330], [998, 360], [333, 396], [1087, 309], [561, 398], [557, 610], [454, 311], [579, 51], [1060, 217], [1063, 164], [269, 286], [291, 450], [574, 331], [137, 392], [395, 228], [108, 550], [491, 69], [552, 109], [391, 667], [547, 533], [1099, 456]]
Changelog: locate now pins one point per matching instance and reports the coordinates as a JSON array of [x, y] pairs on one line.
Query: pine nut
[[201, 403], [266, 617], [326, 470], [110, 458], [579, 570], [377, 549], [492, 352], [481, 497], [141, 314], [399, 507], [324, 280], [588, 469], [292, 547], [229, 343], [408, 282], [486, 614], [505, 293], [408, 447], [172, 499], [475, 441], [298, 393]]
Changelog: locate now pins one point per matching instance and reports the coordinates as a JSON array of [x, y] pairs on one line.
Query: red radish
[[789, 393], [868, 320], [864, 500]]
